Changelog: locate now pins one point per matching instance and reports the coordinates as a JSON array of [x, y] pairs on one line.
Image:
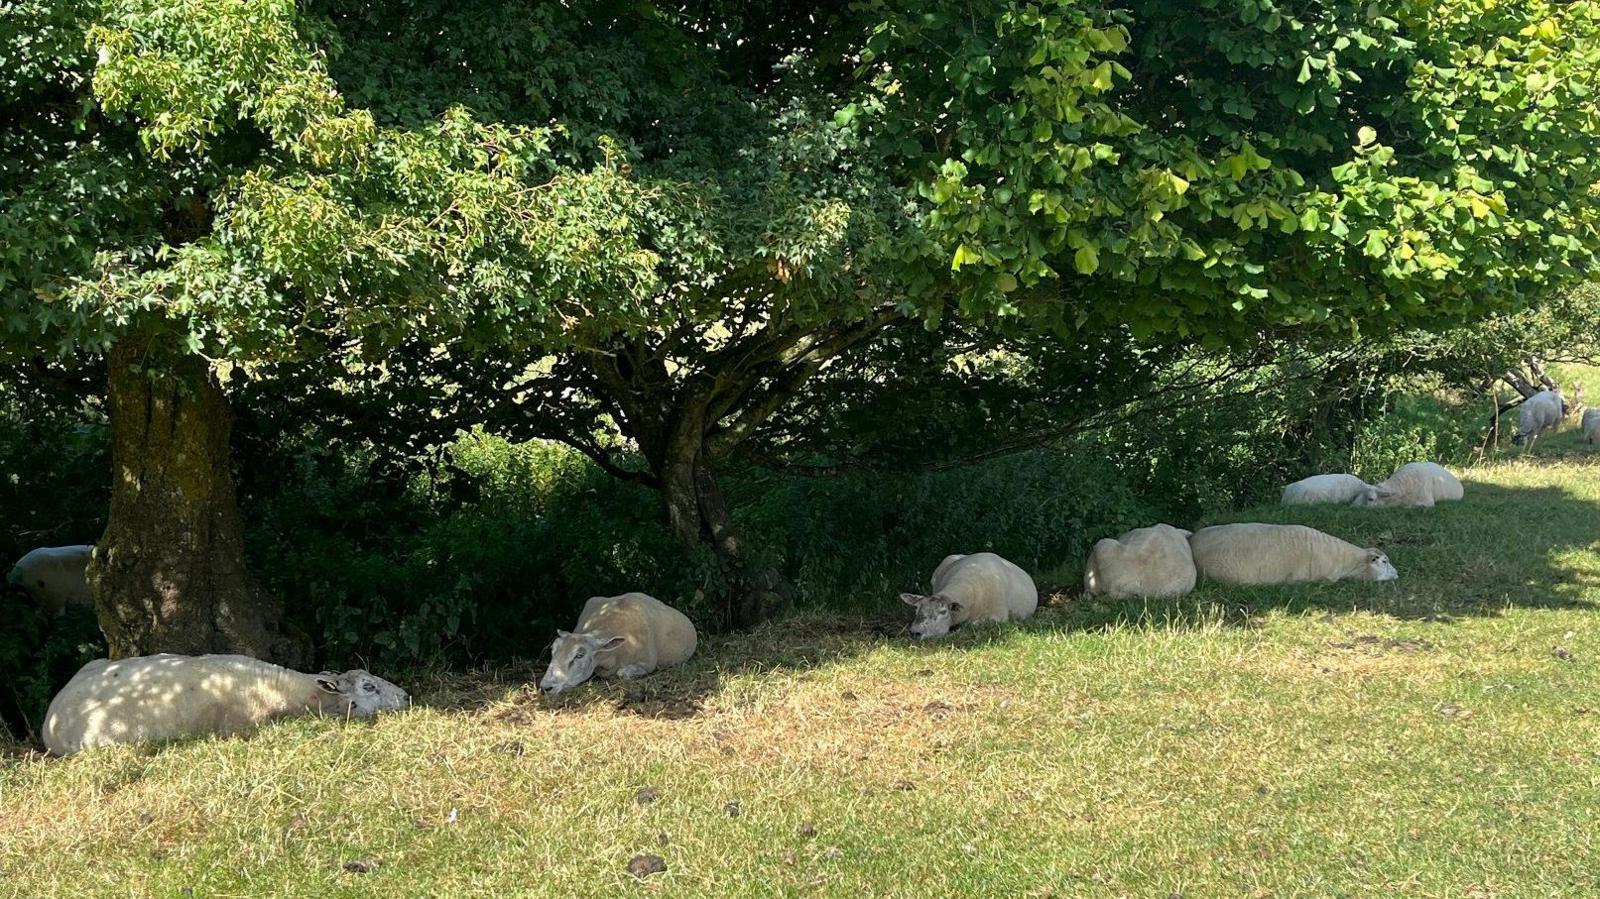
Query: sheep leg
[[632, 672]]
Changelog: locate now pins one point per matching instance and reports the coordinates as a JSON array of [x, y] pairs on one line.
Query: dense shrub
[[53, 491]]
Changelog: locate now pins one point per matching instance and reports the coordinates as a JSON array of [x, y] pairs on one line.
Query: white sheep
[[977, 587], [629, 635], [1540, 412], [53, 576], [169, 697], [1283, 554], [1591, 425], [1153, 561], [1416, 484], [1324, 488]]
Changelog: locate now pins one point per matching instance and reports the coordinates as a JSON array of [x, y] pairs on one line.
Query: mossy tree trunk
[[169, 573]]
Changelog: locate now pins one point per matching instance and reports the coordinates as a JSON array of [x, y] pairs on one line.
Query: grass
[[1437, 736]]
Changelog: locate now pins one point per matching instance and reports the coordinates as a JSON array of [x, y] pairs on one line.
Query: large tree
[[1086, 186], [645, 229]]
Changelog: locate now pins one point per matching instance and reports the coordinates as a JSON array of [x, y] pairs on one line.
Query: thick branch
[[794, 370]]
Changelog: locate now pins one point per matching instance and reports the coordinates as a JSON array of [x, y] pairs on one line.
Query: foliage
[[52, 493], [1223, 167], [644, 229]]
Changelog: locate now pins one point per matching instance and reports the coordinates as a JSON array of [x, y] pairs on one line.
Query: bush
[[54, 492], [416, 575], [1420, 424]]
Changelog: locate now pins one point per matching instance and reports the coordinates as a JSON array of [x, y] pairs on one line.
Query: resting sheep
[[169, 697], [979, 587], [630, 635], [1416, 484], [1153, 561], [53, 577], [1283, 554], [1539, 413], [1324, 488], [1591, 425]]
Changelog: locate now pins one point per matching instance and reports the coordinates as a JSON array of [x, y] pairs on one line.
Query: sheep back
[[167, 697], [988, 587], [655, 634], [1154, 561], [1257, 553]]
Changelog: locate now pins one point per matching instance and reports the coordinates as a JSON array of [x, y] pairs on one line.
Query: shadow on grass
[[1502, 547]]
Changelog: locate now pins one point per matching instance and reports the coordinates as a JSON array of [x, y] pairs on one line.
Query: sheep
[[169, 697], [1153, 561], [1591, 425], [1324, 488], [977, 587], [629, 635], [53, 577], [1540, 412], [1418, 484], [1283, 554]]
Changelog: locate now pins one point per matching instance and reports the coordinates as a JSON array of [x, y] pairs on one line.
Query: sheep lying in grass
[[630, 635], [1283, 554], [1540, 412], [1324, 488], [1591, 425], [53, 576], [168, 697], [1417, 484], [979, 587], [1153, 561]]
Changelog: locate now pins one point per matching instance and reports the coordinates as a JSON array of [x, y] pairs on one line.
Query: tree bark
[[169, 573], [698, 515]]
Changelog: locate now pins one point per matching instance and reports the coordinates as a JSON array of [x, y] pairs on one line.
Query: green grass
[[1419, 738]]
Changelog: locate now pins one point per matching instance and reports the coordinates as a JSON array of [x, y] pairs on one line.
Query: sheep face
[[1374, 495], [935, 614], [1378, 567], [572, 659], [361, 695]]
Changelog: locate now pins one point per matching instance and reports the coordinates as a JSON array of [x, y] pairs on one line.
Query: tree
[[646, 229], [1059, 179]]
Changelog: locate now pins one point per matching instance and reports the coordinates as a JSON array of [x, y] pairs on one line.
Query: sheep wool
[[54, 577], [1539, 413], [1153, 562], [1283, 554], [1323, 488], [168, 697], [1417, 484], [630, 635], [976, 587]]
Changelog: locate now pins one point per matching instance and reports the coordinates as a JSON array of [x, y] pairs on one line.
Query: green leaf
[[1087, 259]]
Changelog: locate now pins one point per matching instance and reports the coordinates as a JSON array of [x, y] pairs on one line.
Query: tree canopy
[[647, 228]]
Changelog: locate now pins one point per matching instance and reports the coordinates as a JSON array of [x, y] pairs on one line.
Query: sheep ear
[[911, 599], [561, 634], [328, 685], [612, 643]]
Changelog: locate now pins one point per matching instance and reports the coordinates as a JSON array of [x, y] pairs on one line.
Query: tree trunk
[[699, 516], [169, 573]]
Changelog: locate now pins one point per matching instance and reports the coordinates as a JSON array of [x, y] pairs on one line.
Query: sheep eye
[[370, 688], [578, 655]]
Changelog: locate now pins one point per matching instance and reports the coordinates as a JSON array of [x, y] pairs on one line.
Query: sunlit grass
[[1437, 736]]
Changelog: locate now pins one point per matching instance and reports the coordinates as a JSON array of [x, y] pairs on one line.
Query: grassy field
[[1436, 736]]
